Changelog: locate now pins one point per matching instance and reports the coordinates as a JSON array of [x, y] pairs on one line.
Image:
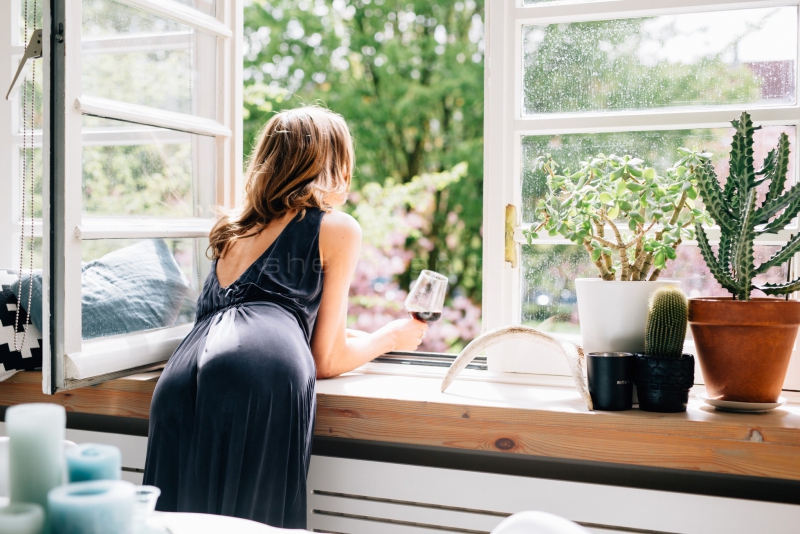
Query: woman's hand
[[406, 333]]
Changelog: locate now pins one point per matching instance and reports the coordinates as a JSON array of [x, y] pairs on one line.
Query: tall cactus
[[739, 215], [667, 316]]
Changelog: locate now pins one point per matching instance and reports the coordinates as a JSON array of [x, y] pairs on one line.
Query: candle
[[93, 461], [36, 450], [94, 507], [4, 465], [21, 518]]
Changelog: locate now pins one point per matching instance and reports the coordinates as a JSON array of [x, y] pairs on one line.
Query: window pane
[[549, 272], [690, 60], [205, 6], [534, 2], [32, 23], [25, 90], [132, 56], [169, 291], [130, 169], [657, 148], [34, 159]]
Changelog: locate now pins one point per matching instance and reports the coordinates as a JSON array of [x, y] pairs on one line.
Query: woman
[[232, 416]]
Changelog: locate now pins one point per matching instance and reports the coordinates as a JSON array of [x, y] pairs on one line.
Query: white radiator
[[360, 497]]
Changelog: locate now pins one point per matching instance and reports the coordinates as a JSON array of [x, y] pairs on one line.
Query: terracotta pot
[[744, 347]]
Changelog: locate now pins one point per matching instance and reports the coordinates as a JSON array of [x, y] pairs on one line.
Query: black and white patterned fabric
[[31, 355]]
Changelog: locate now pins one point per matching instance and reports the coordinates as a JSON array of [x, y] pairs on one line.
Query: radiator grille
[[345, 507]]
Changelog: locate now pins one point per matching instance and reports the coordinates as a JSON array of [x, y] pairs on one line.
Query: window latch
[[32, 51], [511, 245]]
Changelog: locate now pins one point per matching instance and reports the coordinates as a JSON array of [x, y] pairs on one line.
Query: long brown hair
[[303, 157]]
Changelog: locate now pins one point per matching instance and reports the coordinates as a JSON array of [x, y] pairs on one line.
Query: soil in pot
[[663, 384], [744, 347]]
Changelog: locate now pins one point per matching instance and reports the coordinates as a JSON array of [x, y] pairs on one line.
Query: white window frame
[[10, 140], [505, 125], [74, 362]]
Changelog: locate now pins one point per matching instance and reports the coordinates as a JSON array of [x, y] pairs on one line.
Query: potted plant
[[630, 220], [744, 344], [664, 374]]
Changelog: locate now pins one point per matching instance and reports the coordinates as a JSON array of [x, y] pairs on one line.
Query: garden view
[[408, 77]]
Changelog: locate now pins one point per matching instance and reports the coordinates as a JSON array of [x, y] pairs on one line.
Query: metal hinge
[[512, 249], [32, 51]]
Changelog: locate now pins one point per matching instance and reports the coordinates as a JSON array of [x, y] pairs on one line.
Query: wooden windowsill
[[511, 418]]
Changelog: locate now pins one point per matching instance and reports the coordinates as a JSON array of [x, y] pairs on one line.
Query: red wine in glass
[[426, 317], [426, 298]]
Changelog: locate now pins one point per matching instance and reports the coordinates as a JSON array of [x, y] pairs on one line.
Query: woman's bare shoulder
[[337, 226]]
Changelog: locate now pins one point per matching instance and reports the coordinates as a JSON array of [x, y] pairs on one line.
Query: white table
[[180, 523]]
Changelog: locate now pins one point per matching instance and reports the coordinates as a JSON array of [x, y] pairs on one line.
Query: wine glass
[[426, 298]]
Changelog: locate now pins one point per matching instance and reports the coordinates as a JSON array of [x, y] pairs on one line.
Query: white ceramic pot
[[613, 314]]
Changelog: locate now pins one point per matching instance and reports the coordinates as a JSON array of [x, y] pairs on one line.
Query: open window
[[579, 78], [143, 132]]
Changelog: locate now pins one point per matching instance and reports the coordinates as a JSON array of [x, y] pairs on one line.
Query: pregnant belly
[[246, 342]]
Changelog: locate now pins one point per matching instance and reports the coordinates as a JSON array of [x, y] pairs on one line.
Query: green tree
[[408, 77]]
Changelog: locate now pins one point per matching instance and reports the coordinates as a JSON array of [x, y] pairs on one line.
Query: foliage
[[656, 213], [160, 175], [609, 65], [741, 217], [667, 317], [389, 215], [378, 206], [408, 78]]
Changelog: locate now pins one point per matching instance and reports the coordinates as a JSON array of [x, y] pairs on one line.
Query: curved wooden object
[[573, 353]]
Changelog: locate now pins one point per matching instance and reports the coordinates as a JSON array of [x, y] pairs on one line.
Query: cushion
[[135, 288], [31, 355]]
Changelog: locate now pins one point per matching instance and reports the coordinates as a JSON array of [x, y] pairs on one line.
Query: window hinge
[[512, 250], [32, 51]]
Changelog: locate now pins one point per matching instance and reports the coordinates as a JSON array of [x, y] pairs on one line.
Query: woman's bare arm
[[334, 351], [355, 333]]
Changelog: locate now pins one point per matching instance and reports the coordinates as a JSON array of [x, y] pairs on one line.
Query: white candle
[[36, 450], [94, 507], [21, 518]]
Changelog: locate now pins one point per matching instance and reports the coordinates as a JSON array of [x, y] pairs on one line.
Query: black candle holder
[[611, 380]]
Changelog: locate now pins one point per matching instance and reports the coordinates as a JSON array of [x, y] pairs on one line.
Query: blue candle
[[93, 461], [36, 450], [94, 507]]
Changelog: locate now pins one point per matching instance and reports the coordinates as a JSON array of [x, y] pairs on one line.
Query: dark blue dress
[[232, 417]]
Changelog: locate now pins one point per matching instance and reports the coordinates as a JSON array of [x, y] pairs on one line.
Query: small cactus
[[667, 316]]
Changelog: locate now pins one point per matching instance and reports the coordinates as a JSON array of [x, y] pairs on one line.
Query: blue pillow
[[135, 288]]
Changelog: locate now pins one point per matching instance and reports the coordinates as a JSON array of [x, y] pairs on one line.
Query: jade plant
[[629, 218], [742, 213], [667, 317]]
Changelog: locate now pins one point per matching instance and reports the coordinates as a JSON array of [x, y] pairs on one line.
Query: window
[[12, 47], [578, 78], [143, 126]]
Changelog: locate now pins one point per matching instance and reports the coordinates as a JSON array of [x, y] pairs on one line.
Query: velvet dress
[[232, 416]]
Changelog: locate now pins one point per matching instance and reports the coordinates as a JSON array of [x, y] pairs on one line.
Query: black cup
[[611, 380]]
